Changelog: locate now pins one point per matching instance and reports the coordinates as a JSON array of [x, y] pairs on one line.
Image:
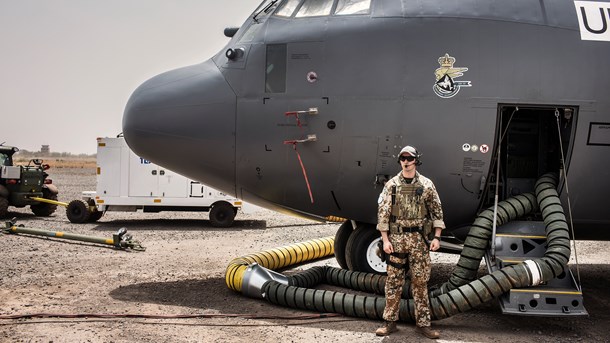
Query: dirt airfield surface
[[182, 273]]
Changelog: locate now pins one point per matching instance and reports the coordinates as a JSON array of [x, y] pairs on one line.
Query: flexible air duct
[[296, 291], [464, 298], [278, 258], [477, 241], [557, 252]]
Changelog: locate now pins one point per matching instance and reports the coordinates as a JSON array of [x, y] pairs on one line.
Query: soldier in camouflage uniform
[[408, 203]]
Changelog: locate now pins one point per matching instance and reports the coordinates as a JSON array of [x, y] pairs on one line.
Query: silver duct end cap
[[255, 277]]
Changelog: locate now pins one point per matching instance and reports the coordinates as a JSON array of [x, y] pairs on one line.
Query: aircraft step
[[519, 241]]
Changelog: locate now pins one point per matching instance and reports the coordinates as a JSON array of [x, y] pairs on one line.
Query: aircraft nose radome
[[184, 120]]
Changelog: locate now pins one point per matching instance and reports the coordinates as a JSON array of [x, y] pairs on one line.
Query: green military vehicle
[[21, 185]]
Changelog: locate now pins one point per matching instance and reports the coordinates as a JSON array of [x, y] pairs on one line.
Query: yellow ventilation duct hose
[[278, 258], [334, 219]]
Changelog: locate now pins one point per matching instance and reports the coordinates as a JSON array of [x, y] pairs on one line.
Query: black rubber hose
[[558, 248], [358, 281], [479, 236], [458, 299]]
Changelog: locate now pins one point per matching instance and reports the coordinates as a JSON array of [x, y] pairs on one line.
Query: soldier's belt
[[404, 229]]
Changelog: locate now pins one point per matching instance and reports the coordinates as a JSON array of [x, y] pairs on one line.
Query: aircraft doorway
[[533, 140]]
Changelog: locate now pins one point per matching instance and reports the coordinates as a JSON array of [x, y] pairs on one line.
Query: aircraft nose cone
[[184, 120]]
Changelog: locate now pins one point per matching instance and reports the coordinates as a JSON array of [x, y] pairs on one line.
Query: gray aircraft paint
[[214, 121]]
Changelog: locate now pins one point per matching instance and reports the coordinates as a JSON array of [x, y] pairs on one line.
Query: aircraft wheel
[[78, 212], [43, 209], [341, 237], [362, 251], [222, 215], [3, 207]]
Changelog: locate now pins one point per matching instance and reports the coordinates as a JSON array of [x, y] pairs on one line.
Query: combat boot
[[428, 332], [386, 329]]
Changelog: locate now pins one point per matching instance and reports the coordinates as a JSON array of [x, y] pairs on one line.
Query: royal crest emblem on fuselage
[[446, 86]]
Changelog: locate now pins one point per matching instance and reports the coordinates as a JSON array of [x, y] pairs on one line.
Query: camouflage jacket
[[429, 199]]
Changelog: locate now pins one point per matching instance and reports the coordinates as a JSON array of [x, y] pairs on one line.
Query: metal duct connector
[[255, 277], [534, 272]]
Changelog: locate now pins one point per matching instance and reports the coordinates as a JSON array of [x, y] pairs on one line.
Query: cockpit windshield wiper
[[265, 9]]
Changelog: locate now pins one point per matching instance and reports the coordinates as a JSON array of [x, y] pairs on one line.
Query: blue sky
[[67, 67]]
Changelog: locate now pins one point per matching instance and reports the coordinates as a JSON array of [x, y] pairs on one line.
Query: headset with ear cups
[[410, 149]]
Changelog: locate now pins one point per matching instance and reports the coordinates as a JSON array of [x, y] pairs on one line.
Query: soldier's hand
[[387, 247], [435, 245]]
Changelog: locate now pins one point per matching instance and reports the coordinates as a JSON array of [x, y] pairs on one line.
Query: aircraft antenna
[[565, 181]]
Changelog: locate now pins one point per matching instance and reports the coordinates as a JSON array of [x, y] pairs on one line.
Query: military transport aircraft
[[306, 108]]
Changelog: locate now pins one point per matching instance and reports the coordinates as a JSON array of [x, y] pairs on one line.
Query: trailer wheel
[[3, 207], [78, 212], [4, 193], [43, 209], [95, 216], [222, 214], [341, 237]]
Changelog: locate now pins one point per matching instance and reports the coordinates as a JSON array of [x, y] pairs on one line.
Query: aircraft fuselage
[[441, 76]]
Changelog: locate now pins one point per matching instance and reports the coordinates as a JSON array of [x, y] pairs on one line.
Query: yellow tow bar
[[59, 203], [119, 240], [49, 201]]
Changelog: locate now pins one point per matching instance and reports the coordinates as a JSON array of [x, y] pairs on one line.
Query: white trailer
[[127, 182]]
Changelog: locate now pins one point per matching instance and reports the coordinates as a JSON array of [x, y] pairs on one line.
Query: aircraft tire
[[43, 209], [3, 207], [341, 238], [222, 214], [78, 212], [361, 251]]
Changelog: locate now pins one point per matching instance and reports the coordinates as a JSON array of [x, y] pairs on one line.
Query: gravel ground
[[182, 272]]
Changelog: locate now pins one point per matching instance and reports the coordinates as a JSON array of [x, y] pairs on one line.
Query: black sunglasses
[[407, 158]]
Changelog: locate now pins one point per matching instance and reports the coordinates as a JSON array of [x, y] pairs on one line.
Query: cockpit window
[[287, 8], [275, 71], [316, 8], [264, 10], [312, 8], [347, 7]]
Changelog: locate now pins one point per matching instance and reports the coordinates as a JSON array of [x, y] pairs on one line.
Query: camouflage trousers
[[419, 262]]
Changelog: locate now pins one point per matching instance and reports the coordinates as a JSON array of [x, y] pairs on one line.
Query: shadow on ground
[[180, 224], [213, 294]]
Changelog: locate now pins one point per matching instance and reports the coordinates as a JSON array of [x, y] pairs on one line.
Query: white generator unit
[[127, 182]]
